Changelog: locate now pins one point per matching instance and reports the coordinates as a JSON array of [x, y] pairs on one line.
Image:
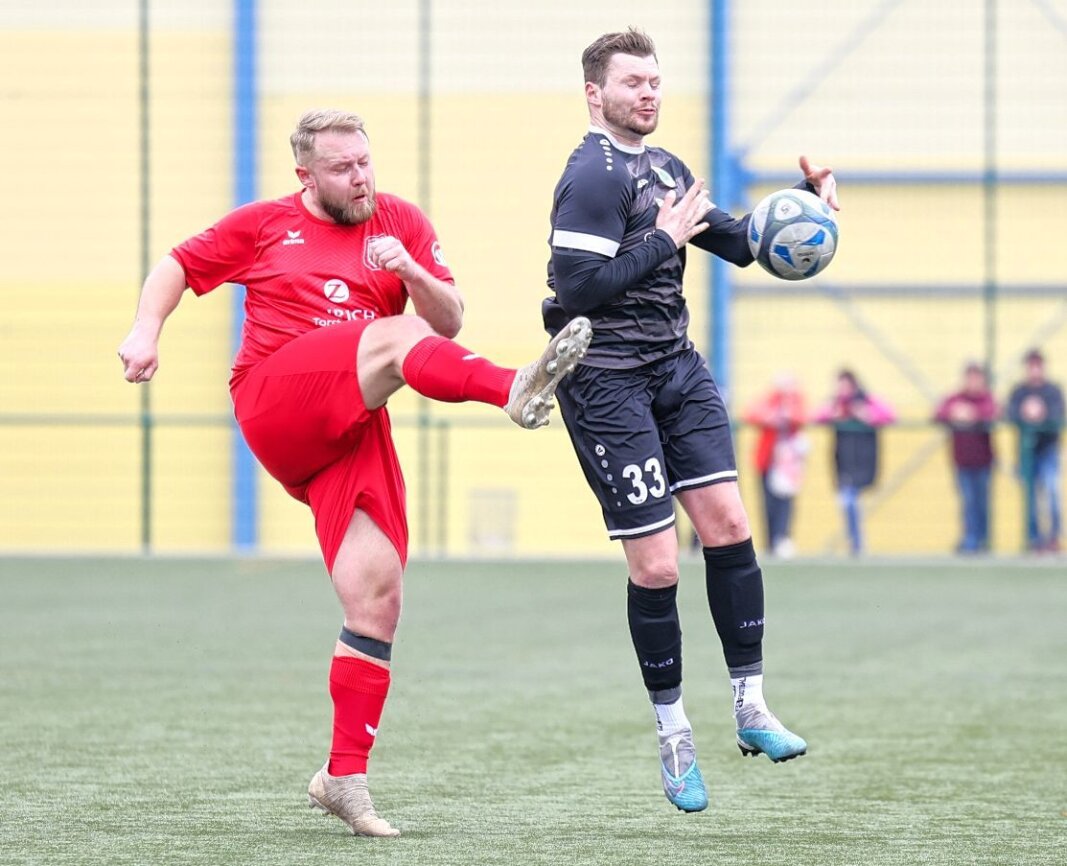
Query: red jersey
[[302, 272]]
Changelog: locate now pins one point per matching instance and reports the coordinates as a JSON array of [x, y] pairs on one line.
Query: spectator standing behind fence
[[1035, 407], [856, 417], [969, 413], [779, 457]]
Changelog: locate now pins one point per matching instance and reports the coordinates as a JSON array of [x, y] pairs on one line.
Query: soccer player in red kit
[[328, 273]]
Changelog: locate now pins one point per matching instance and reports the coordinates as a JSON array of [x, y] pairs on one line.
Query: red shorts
[[301, 412]]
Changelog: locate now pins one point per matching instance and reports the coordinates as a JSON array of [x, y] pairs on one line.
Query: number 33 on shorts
[[649, 482]]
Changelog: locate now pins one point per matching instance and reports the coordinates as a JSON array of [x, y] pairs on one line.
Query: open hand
[[823, 180], [682, 218]]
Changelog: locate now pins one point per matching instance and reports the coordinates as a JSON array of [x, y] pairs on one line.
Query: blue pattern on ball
[[796, 241]]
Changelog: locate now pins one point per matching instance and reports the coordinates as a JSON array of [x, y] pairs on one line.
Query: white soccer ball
[[793, 234]]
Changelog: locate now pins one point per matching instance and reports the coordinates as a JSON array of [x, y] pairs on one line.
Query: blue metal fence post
[[244, 505], [722, 191]]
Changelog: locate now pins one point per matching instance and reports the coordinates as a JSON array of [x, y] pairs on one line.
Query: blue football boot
[[759, 731], [682, 782]]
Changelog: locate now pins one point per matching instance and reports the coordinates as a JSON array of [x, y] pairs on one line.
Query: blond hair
[[313, 122]]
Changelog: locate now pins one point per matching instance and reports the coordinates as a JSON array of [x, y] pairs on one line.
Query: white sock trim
[[671, 718], [748, 692]]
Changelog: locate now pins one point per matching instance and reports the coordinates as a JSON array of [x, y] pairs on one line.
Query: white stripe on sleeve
[[582, 241]]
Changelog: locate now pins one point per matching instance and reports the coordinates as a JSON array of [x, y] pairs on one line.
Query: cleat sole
[[564, 356]]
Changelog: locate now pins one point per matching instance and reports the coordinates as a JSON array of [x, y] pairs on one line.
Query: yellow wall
[[506, 110], [70, 276]]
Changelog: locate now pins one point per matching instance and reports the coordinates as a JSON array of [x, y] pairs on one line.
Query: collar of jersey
[[625, 148]]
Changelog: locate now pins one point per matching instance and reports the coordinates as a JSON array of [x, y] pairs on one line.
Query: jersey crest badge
[[367, 263], [664, 178]]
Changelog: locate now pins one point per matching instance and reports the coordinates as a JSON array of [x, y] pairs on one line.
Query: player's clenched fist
[[140, 357], [683, 218], [389, 254]]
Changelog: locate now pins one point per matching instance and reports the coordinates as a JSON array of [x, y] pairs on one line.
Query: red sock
[[445, 371], [358, 689]]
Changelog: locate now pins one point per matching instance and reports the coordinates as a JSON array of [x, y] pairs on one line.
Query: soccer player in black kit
[[644, 414]]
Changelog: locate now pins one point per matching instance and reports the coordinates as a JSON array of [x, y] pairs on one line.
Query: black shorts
[[644, 434]]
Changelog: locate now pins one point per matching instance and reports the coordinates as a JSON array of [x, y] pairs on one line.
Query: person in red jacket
[[779, 457], [969, 413]]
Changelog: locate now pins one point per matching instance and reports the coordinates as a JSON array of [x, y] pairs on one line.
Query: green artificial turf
[[166, 711]]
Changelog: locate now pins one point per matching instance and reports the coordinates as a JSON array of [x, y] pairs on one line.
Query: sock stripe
[[419, 356], [359, 675]]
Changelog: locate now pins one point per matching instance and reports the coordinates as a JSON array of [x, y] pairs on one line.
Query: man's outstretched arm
[[162, 290]]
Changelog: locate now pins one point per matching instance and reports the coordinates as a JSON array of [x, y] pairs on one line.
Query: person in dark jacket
[[856, 417], [1035, 407], [969, 413]]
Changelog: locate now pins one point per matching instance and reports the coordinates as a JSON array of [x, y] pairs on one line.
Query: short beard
[[351, 214], [624, 121]]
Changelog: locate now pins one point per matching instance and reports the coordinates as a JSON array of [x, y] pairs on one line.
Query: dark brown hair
[[597, 57]]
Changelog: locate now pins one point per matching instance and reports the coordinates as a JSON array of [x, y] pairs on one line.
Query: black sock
[[735, 596], [657, 637]]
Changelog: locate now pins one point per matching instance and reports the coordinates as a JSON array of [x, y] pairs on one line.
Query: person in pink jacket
[[856, 416]]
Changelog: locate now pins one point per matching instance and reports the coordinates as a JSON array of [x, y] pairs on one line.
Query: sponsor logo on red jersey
[[336, 290]]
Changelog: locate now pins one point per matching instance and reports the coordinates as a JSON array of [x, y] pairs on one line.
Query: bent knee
[[655, 574], [382, 350], [397, 335], [375, 614], [730, 528], [386, 601]]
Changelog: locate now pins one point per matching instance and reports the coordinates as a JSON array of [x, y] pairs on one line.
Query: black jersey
[[611, 264]]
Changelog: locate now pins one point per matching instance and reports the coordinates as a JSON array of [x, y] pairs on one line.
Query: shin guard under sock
[[442, 370], [657, 635], [735, 596], [358, 689]]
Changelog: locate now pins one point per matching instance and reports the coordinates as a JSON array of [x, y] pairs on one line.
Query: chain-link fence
[[134, 125]]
